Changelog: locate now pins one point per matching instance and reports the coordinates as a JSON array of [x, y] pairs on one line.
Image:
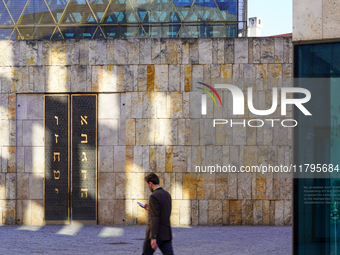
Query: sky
[[276, 15]]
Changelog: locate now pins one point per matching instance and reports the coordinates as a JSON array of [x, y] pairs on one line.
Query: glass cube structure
[[89, 19]]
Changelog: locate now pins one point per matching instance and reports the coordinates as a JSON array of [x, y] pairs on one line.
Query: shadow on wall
[[54, 67]]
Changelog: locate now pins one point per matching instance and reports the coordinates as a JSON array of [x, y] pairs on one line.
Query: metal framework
[[89, 19]]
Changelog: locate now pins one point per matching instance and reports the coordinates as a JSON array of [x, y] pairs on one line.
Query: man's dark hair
[[152, 178]]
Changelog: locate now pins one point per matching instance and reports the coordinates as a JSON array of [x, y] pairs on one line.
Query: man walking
[[158, 232]]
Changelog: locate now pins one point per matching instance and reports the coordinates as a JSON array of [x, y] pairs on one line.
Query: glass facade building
[[104, 19], [316, 194]]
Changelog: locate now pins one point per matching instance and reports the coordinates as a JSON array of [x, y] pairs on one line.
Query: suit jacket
[[159, 216]]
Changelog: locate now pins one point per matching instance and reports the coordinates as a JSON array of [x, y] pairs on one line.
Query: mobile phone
[[141, 204]]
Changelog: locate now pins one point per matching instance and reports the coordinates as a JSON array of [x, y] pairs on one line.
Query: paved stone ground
[[128, 240]]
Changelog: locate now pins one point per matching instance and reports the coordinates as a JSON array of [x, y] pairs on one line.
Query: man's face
[[149, 185]]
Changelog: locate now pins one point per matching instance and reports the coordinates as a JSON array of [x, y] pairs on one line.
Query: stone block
[[105, 212], [8, 212], [160, 158], [137, 159], [22, 185], [288, 210], [185, 212], [222, 187], [135, 185], [2, 186], [205, 51], [168, 159], [241, 50], [121, 54], [130, 77], [235, 212], [203, 212], [120, 185], [174, 218], [225, 212], [247, 212], [37, 212], [36, 186], [97, 52], [108, 106], [142, 77], [105, 159], [34, 159], [185, 52], [194, 212], [106, 186], [58, 79], [150, 77], [278, 50], [27, 211], [145, 51], [174, 77], [229, 50], [215, 213], [279, 213], [39, 78], [136, 105], [267, 50], [6, 56], [258, 212], [78, 78], [179, 159], [189, 186], [19, 212], [179, 186], [244, 186], [108, 131], [156, 51], [307, 20], [193, 51], [239, 133], [161, 78], [187, 78]]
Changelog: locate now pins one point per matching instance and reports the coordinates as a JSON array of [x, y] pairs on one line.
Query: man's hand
[[146, 207], [154, 244]]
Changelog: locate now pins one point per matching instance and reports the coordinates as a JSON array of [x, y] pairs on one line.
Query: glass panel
[[120, 11], [26, 32], [120, 31], [15, 8], [204, 10], [78, 11], [82, 32], [317, 141], [98, 34], [141, 33], [57, 7], [5, 18], [36, 12], [183, 7], [43, 33], [111, 31], [162, 11], [230, 30], [99, 7], [228, 9], [5, 33], [57, 35], [160, 31], [140, 5]]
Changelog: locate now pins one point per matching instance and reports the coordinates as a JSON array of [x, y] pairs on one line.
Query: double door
[[70, 126]]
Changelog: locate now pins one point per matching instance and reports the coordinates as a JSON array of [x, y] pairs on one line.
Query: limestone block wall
[[149, 120], [316, 21]]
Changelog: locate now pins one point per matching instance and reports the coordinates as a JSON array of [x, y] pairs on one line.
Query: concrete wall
[[149, 120], [316, 20]]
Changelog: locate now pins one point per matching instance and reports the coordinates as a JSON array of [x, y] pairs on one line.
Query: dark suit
[[159, 222]]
